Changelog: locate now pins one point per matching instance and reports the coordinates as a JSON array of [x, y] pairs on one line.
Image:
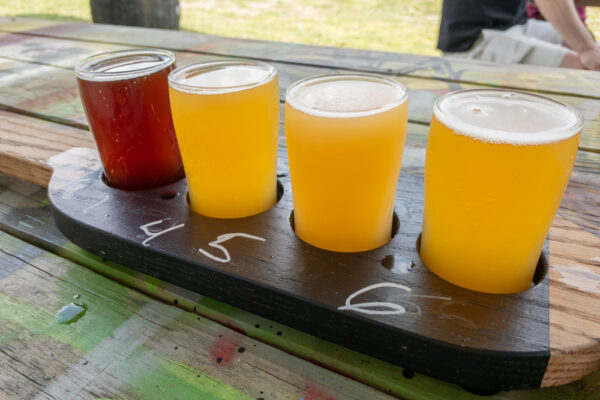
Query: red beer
[[125, 95]]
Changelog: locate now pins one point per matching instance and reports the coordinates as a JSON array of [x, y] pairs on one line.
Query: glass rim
[[82, 67], [403, 96], [443, 116], [175, 80]]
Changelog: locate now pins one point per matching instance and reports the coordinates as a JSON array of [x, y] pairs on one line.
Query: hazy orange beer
[[345, 136], [226, 117], [497, 165]]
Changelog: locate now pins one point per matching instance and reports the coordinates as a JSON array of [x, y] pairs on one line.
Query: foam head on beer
[[223, 78], [345, 135], [497, 165], [507, 117], [346, 96]]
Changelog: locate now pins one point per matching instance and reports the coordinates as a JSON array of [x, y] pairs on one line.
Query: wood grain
[[465, 337], [578, 357], [66, 110], [26, 56], [130, 346], [25, 212], [543, 79], [574, 302], [26, 145]]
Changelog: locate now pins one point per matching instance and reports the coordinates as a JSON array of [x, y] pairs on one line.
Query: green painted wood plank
[[543, 79], [19, 214], [143, 348], [349, 362]]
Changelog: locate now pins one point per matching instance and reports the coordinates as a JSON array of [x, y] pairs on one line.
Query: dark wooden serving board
[[50, 49], [259, 265]]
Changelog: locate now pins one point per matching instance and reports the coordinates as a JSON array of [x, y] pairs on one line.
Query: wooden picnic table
[[141, 338]]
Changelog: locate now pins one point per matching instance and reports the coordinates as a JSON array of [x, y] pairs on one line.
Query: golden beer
[[497, 165], [226, 117], [345, 135]]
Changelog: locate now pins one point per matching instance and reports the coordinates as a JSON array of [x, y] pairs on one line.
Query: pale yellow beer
[[497, 165], [226, 117], [345, 135]]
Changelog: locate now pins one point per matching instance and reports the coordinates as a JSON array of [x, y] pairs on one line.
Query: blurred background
[[408, 26]]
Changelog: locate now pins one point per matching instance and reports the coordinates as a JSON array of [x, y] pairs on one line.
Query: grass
[[407, 26], [68, 10]]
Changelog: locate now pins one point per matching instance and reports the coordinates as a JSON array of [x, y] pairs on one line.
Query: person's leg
[[550, 54], [515, 46], [542, 30], [571, 60]]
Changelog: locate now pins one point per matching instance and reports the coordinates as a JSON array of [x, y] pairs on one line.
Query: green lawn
[[408, 26]]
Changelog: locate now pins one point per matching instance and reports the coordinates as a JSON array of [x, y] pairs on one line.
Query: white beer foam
[[344, 96], [502, 116], [221, 76]]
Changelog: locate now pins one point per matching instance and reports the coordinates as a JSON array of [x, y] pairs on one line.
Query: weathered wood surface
[[582, 195], [481, 73], [24, 212], [128, 345], [28, 143], [575, 326], [36, 55]]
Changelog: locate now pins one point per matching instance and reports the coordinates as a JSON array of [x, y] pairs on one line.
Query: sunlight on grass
[[407, 26], [70, 10], [395, 25], [593, 20]]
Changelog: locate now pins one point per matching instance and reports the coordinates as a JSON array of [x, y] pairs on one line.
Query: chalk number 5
[[223, 238]]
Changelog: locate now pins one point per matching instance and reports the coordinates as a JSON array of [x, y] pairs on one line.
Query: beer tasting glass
[[126, 99], [345, 135], [497, 165], [226, 116]]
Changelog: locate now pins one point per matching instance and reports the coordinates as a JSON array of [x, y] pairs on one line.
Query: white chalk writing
[[85, 210], [223, 238], [155, 234], [385, 308]]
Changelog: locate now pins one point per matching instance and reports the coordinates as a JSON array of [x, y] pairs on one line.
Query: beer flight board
[[382, 302]]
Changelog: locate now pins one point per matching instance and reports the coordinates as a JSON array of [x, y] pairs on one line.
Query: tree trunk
[[149, 13]]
